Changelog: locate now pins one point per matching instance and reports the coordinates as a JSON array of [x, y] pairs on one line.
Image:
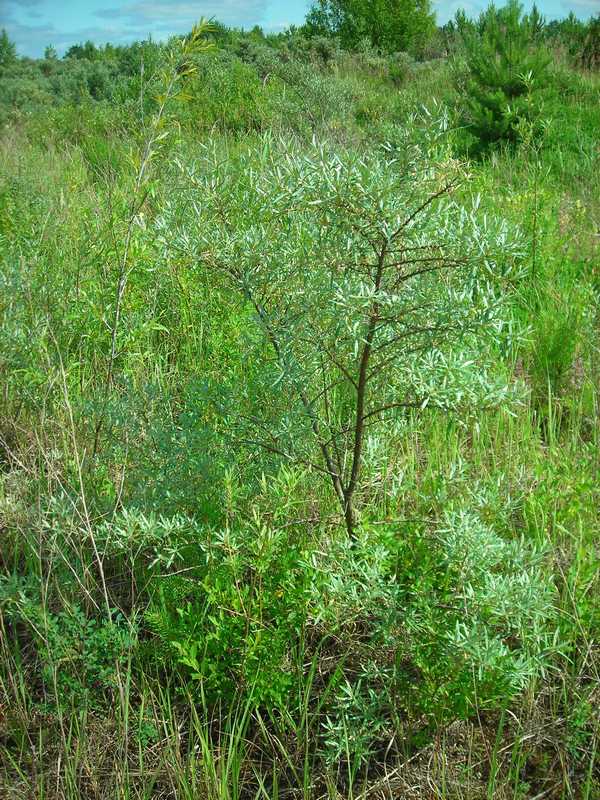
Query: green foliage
[[438, 623], [8, 51], [499, 636], [554, 347], [227, 95], [78, 656], [567, 34], [182, 611], [235, 621], [336, 257], [87, 51], [590, 53], [577, 39], [400, 69], [389, 25], [506, 73], [311, 102]]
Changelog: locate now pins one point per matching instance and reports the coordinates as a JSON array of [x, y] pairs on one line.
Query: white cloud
[[32, 39], [583, 6], [128, 22], [230, 12], [23, 3]]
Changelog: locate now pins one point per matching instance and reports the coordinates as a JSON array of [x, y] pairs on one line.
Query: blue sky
[[33, 24]]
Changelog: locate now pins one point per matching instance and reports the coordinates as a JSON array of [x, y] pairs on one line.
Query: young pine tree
[[8, 51], [506, 71]]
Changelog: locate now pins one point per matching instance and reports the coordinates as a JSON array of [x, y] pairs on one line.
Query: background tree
[[390, 25], [88, 50], [8, 51]]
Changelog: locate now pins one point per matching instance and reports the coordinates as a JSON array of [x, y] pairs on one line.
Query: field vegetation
[[299, 412]]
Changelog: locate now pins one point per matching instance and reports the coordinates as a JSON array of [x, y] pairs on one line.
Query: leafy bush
[[227, 94], [440, 623], [310, 101], [437, 623], [258, 648], [8, 51], [336, 257], [555, 340], [78, 656], [235, 621], [567, 35], [401, 67]]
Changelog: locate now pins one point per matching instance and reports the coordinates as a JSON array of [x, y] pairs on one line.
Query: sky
[[34, 24]]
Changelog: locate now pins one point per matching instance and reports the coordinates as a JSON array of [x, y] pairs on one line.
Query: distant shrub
[[590, 54], [401, 67], [30, 86], [23, 94], [318, 50], [389, 25], [324, 48], [577, 39], [311, 101], [8, 51], [566, 36], [227, 94]]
